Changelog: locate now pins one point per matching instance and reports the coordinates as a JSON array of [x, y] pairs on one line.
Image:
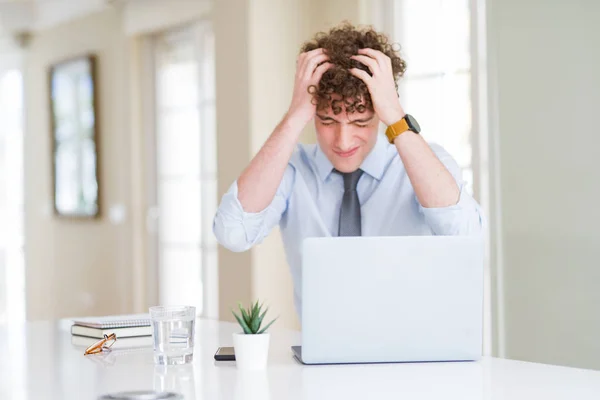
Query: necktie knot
[[351, 179]]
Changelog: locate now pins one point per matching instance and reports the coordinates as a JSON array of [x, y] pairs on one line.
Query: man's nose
[[343, 138]]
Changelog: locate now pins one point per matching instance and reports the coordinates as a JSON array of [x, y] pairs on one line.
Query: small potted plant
[[252, 345]]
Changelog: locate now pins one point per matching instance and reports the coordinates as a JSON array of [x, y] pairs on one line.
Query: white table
[[38, 361]]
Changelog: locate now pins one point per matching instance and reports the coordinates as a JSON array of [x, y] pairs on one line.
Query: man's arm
[[256, 201], [433, 183], [465, 217], [447, 209], [259, 181], [239, 230]]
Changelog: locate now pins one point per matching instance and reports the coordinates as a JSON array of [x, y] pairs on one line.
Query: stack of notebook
[[131, 330]]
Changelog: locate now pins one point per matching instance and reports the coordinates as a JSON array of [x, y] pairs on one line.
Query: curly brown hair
[[339, 44]]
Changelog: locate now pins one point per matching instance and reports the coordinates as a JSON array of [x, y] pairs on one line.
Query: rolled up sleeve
[[463, 218], [238, 230]]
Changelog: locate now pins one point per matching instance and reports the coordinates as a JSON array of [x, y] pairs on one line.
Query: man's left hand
[[381, 84]]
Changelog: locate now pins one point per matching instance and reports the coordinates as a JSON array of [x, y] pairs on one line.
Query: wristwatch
[[407, 123]]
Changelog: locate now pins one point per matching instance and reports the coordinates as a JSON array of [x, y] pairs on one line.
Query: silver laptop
[[391, 299]]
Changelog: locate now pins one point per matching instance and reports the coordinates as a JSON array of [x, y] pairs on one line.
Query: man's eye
[[362, 126], [326, 123]]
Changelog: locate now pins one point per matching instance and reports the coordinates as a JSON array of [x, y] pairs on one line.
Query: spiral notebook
[[114, 321], [122, 325]]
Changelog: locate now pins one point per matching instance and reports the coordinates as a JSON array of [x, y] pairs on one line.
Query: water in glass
[[173, 334]]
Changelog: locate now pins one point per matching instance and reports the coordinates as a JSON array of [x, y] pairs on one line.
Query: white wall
[[77, 267], [546, 56], [151, 16], [230, 19]]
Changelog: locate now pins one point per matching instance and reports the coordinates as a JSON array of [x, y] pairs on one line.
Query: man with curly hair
[[354, 182]]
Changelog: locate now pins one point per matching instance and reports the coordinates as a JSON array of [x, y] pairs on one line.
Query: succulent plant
[[251, 319]]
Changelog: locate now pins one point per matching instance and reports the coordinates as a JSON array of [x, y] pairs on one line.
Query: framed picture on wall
[[73, 113]]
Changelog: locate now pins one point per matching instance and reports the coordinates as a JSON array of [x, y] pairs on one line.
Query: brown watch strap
[[396, 129]]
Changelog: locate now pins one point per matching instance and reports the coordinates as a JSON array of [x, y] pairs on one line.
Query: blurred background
[[122, 122]]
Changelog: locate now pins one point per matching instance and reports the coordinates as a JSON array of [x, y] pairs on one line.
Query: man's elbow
[[232, 238], [460, 224], [471, 225]]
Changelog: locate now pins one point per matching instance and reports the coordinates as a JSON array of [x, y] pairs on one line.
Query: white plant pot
[[251, 351]]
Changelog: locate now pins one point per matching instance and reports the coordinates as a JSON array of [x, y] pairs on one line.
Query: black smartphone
[[225, 354]]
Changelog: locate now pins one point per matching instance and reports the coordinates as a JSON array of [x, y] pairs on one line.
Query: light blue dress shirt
[[308, 201]]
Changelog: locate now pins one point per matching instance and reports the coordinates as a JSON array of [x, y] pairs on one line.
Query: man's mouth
[[346, 154]]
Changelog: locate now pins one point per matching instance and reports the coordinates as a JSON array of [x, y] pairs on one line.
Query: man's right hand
[[259, 182], [310, 67]]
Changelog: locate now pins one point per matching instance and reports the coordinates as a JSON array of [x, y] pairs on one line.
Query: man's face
[[346, 139]]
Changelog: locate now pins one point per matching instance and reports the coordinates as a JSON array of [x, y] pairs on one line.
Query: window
[[12, 260], [186, 176], [435, 40]]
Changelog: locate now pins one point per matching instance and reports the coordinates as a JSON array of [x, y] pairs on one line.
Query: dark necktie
[[350, 210]]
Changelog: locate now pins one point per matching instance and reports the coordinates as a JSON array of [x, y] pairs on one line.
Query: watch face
[[412, 123]]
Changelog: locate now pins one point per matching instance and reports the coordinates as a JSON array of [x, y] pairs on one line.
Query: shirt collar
[[324, 166], [377, 159], [373, 165]]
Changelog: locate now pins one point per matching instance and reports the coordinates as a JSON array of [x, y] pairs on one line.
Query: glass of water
[[173, 334]]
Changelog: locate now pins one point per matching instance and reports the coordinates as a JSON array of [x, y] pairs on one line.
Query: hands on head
[[311, 65]]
